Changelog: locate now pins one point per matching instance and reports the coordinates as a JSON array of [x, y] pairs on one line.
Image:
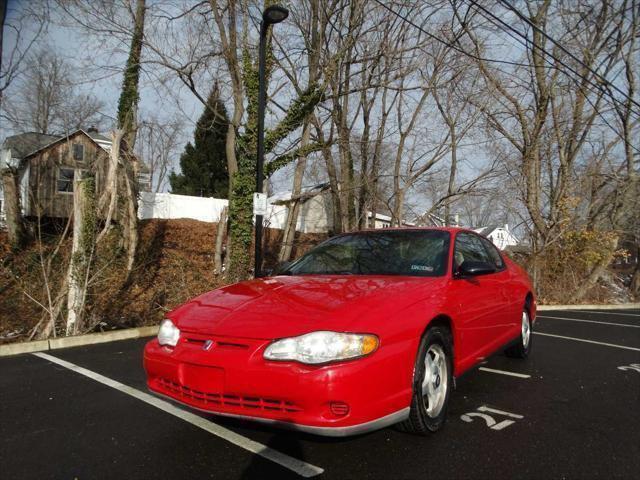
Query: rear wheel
[[433, 379], [522, 348]]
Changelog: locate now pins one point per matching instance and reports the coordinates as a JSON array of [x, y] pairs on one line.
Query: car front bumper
[[232, 379]]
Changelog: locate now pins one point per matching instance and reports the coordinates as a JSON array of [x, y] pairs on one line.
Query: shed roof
[[98, 136], [24, 144]]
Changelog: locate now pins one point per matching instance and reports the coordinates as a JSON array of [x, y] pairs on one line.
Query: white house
[[316, 211], [501, 236], [315, 214], [379, 220]]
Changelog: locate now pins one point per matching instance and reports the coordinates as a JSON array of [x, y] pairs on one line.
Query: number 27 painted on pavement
[[483, 413]]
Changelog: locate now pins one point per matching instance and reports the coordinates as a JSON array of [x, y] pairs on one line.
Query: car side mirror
[[472, 269]]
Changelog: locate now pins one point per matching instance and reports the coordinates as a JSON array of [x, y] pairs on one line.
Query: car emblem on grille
[[207, 345]]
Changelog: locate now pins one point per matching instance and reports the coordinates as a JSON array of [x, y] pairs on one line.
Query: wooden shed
[[52, 169], [48, 165]]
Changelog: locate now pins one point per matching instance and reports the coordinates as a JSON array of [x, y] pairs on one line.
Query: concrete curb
[[79, 340], [621, 306]]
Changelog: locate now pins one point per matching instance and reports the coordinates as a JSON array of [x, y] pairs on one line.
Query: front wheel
[[433, 379], [522, 348]]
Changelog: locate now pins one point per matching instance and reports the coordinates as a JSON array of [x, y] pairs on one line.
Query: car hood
[[283, 306]]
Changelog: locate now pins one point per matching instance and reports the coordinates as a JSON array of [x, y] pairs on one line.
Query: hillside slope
[[174, 262]]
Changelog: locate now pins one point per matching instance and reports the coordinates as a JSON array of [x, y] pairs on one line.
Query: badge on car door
[[207, 345]]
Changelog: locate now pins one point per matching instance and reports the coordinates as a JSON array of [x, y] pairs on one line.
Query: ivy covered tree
[[204, 163], [130, 95], [119, 197]]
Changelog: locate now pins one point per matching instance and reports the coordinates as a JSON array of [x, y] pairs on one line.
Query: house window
[[78, 151], [65, 180]]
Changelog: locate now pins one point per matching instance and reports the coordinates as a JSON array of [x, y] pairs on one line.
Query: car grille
[[219, 343], [230, 401]]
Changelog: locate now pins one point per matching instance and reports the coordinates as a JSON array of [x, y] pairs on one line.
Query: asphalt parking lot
[[572, 410]]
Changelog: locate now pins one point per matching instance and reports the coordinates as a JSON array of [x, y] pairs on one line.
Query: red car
[[366, 330]]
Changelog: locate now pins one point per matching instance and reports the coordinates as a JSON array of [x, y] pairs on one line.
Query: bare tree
[[621, 197], [159, 144], [11, 190], [456, 88], [46, 99], [53, 295], [312, 23], [545, 105], [121, 188], [82, 252], [22, 26]]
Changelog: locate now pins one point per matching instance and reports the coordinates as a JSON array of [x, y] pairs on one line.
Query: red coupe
[[366, 330]]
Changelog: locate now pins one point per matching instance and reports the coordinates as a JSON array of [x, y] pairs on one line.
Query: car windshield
[[421, 253]]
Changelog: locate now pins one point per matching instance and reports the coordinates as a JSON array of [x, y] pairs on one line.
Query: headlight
[[168, 333], [322, 347]]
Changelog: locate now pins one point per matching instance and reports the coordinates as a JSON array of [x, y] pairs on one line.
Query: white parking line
[[589, 321], [609, 313], [499, 412], [503, 372], [587, 341], [298, 466]]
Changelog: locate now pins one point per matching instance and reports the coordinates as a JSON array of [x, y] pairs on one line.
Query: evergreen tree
[[204, 163]]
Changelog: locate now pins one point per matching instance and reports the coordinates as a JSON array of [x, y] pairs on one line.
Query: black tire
[[522, 347], [436, 340]]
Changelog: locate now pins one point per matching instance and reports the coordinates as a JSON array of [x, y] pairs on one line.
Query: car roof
[[395, 229]]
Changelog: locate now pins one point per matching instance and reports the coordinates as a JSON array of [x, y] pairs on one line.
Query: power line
[[547, 53], [479, 58], [561, 47], [523, 36], [444, 42], [520, 34]]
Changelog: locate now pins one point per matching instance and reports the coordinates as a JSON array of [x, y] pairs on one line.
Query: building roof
[[61, 138], [24, 144], [103, 141], [97, 136], [27, 144], [486, 230], [306, 193], [387, 218]]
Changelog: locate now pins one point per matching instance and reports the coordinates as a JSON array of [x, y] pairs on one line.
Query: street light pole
[[271, 15]]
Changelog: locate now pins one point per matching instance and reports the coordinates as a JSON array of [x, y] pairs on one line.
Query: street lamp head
[[274, 14]]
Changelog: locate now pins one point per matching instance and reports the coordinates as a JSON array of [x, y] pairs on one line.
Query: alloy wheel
[[526, 329], [436, 380]]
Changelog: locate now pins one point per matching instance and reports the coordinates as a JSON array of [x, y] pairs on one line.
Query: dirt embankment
[[175, 262]]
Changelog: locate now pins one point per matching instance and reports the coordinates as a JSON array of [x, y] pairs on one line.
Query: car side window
[[469, 247], [496, 258]]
